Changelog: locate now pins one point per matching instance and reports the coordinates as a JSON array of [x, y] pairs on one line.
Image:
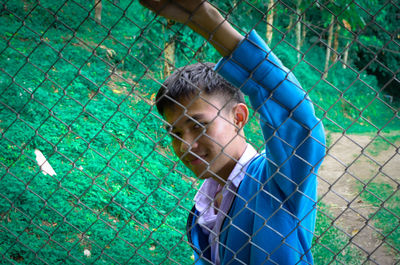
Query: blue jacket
[[272, 218]]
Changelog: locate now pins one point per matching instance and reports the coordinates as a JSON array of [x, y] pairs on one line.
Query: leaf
[[354, 232]]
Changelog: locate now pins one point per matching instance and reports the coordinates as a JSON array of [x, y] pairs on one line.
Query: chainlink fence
[[88, 174]]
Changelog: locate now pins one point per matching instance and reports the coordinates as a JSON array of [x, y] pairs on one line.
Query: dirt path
[[352, 160]]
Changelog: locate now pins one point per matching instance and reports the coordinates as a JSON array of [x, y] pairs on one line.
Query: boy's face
[[205, 137]]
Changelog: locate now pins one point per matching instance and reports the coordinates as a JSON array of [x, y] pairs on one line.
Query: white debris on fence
[[44, 164], [87, 253]]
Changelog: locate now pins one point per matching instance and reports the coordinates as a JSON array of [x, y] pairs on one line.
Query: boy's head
[[186, 82], [206, 115]]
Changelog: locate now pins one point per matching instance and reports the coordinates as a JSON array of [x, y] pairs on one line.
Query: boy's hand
[[201, 17], [178, 10]]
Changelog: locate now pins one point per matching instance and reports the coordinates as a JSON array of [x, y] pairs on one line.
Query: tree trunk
[[346, 55], [26, 6], [270, 21], [298, 30], [336, 43], [98, 6], [328, 48], [290, 22], [347, 47], [169, 54], [304, 31]]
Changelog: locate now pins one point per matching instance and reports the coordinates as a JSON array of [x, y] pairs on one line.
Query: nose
[[188, 143]]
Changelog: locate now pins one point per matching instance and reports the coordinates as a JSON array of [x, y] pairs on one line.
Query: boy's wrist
[[206, 17], [208, 22]]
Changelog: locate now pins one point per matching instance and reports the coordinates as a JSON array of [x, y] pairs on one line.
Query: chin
[[203, 174]]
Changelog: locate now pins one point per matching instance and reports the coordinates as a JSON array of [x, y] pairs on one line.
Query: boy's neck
[[223, 176]]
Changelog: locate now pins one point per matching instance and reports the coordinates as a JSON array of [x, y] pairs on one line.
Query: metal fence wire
[[88, 174]]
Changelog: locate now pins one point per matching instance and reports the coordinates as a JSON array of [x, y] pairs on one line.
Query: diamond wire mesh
[[77, 89]]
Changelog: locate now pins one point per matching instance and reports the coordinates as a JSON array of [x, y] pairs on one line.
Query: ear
[[241, 115]]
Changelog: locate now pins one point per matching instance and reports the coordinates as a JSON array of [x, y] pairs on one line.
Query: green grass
[[330, 244], [380, 144], [386, 198]]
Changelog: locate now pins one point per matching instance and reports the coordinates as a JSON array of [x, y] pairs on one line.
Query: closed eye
[[199, 125]]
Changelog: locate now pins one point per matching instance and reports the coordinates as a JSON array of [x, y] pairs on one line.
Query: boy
[[252, 208]]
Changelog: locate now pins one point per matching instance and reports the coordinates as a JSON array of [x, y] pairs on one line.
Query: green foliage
[[112, 194], [348, 100]]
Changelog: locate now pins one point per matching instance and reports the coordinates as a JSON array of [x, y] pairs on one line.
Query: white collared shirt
[[211, 217]]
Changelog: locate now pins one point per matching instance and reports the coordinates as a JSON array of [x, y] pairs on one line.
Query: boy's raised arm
[[201, 17]]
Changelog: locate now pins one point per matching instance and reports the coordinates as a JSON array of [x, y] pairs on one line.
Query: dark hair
[[188, 81]]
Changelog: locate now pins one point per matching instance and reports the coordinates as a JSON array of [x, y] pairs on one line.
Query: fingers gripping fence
[[88, 171]]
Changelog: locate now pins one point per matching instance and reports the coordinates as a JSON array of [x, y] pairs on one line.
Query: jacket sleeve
[[294, 136]]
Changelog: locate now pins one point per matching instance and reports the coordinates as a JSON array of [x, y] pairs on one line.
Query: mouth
[[197, 160]]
